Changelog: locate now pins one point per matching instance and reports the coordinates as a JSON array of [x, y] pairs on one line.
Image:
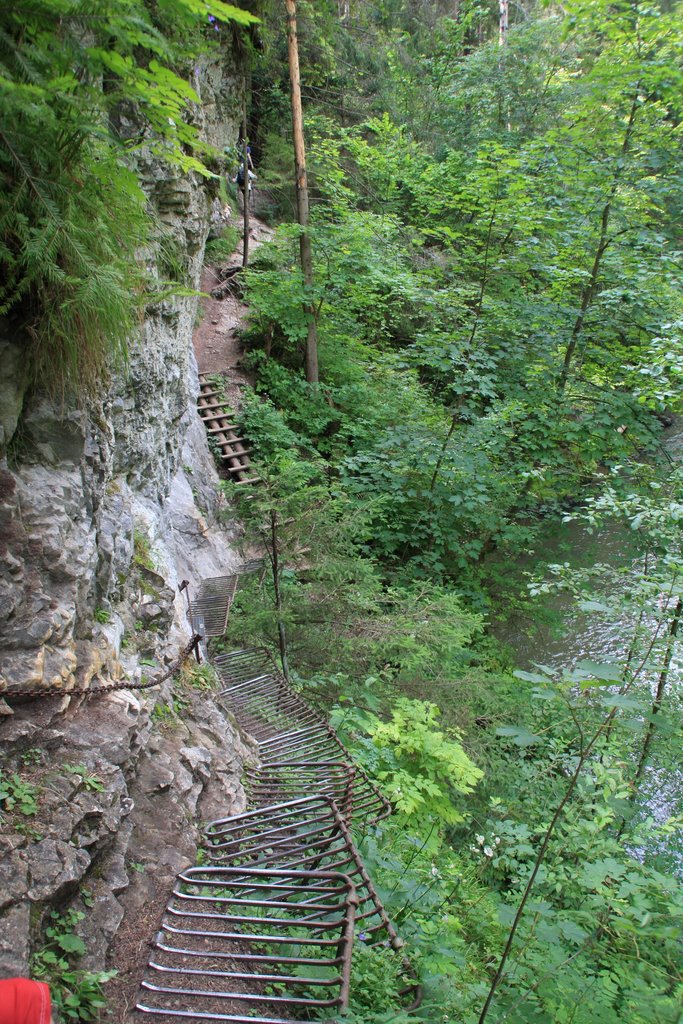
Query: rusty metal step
[[238, 456], [253, 945], [309, 833], [210, 608], [288, 728], [225, 430], [213, 405], [219, 422]]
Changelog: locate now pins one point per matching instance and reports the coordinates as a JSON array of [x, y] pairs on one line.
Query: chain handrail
[[92, 691]]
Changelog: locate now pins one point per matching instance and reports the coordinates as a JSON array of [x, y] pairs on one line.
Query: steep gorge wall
[[104, 509]]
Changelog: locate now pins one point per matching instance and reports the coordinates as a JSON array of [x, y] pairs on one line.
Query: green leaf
[[607, 671], [530, 677], [519, 735], [619, 700], [545, 694], [71, 944], [594, 606]]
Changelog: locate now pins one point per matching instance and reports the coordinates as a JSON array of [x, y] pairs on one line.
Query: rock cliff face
[[103, 511]]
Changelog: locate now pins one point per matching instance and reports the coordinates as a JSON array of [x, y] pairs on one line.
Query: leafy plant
[[70, 259], [77, 995], [32, 756], [17, 795], [169, 713], [142, 551], [220, 250], [420, 767], [377, 978], [90, 782], [200, 677]]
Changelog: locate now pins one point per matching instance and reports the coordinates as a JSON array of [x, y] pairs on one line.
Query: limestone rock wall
[[104, 509]]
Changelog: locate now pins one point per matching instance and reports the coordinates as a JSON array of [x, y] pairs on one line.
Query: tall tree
[[302, 192], [245, 183]]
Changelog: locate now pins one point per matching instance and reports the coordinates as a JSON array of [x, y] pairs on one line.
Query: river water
[[555, 632]]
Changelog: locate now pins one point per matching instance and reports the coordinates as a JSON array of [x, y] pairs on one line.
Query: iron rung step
[[236, 455], [213, 405]]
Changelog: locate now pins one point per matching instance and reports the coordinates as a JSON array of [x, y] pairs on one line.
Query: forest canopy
[[496, 231]]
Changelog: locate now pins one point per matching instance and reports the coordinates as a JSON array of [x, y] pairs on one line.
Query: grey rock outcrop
[[104, 509]]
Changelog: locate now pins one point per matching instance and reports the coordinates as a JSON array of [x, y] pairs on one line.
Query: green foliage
[[333, 602], [90, 782], [419, 766], [598, 917], [542, 320], [221, 250], [142, 551], [32, 756], [199, 677], [376, 981], [169, 713], [17, 795], [496, 234], [265, 427], [83, 87], [76, 994]]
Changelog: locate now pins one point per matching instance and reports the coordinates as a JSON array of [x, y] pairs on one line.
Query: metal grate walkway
[[245, 943], [289, 731], [264, 935], [210, 608], [310, 834]]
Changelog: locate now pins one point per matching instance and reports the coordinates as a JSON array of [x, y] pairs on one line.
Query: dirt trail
[[216, 345]]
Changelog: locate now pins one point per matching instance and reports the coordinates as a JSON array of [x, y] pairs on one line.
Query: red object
[[23, 1001]]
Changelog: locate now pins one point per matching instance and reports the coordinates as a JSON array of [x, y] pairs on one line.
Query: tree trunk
[[245, 185], [590, 289], [503, 22], [275, 562], [658, 698], [302, 191]]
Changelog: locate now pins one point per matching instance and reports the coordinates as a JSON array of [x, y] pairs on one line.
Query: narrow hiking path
[[264, 926], [216, 344], [217, 351]]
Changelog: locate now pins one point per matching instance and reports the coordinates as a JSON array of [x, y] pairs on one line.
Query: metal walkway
[[309, 834], [264, 935], [238, 943], [210, 608], [295, 742]]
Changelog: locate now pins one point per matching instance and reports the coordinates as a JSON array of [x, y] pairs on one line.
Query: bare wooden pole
[[275, 562], [302, 191], [591, 286], [245, 183], [503, 22]]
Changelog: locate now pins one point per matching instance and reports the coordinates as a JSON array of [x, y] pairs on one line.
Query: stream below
[[555, 632]]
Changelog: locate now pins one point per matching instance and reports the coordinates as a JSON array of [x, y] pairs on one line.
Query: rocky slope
[[104, 510]]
